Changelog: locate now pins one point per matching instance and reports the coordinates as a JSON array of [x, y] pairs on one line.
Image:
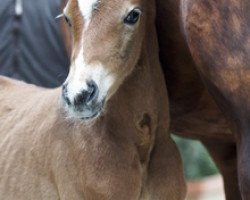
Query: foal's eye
[[67, 20], [132, 17]]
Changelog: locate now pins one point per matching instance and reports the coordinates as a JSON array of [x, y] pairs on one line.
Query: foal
[[107, 138]]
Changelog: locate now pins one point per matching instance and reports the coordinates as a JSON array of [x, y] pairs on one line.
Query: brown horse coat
[[204, 50], [125, 154]]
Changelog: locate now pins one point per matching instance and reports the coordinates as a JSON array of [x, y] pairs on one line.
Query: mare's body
[[204, 50]]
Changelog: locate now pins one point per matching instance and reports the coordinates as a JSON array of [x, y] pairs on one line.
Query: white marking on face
[[65, 10], [83, 73], [86, 7]]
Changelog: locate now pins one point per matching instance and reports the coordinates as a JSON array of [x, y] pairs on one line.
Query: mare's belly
[[203, 121]]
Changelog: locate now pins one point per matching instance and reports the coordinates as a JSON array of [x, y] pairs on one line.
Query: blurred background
[[203, 179]]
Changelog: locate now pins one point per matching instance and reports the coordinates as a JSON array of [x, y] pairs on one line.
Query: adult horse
[[107, 139], [205, 53]]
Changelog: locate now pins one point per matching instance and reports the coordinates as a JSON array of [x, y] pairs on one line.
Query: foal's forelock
[[86, 8]]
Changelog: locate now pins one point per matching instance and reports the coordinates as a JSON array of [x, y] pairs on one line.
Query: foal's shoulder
[[12, 90], [12, 85], [6, 82]]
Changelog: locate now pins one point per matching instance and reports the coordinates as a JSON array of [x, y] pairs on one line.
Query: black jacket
[[31, 45]]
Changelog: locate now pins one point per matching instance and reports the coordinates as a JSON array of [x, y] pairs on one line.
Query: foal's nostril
[[65, 94], [87, 96], [81, 98], [64, 87], [92, 90]]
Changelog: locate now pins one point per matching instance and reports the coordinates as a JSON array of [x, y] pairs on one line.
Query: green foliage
[[196, 160]]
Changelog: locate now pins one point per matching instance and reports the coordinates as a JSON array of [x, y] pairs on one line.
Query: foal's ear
[[59, 16]]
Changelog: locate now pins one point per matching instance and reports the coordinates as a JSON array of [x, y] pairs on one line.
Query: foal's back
[[20, 101], [23, 141]]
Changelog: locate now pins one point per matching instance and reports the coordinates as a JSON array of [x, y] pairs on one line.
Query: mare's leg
[[165, 174], [224, 155], [218, 36], [244, 164]]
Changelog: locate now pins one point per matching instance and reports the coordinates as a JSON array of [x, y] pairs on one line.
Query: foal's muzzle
[[84, 104], [86, 97]]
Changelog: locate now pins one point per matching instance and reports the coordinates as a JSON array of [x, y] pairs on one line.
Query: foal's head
[[107, 37]]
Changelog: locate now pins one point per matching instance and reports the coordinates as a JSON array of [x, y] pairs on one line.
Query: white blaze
[[86, 8], [83, 73]]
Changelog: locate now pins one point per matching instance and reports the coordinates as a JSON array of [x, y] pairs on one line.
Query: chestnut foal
[[107, 138]]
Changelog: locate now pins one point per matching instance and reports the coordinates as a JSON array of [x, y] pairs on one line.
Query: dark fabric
[[31, 46]]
